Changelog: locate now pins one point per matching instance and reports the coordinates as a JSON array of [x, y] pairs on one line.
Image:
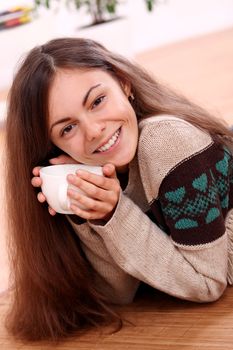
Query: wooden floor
[[202, 68], [160, 322]]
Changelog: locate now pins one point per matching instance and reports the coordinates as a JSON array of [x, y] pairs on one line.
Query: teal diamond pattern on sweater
[[212, 214], [184, 224], [172, 211], [210, 193], [225, 202], [222, 165], [201, 183], [192, 207], [222, 185], [176, 196], [198, 205]]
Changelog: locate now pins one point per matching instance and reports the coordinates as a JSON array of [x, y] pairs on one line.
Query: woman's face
[[91, 119]]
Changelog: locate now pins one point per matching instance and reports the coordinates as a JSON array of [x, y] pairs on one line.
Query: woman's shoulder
[[164, 143], [168, 121], [167, 133], [162, 119]]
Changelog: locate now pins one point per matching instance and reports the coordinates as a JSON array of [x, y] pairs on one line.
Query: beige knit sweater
[[172, 227]]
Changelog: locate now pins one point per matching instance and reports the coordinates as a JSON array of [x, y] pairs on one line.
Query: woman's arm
[[144, 251], [117, 285], [190, 260]]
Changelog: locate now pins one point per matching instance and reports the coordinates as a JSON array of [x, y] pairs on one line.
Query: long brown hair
[[53, 291]]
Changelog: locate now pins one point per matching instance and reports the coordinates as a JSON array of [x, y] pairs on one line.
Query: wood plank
[[159, 322]]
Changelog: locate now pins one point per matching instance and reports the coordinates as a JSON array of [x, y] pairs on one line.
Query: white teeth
[[110, 142]]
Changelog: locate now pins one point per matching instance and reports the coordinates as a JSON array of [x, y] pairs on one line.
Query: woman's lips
[[111, 144]]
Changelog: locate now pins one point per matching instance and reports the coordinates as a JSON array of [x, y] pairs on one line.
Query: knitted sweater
[[172, 227]]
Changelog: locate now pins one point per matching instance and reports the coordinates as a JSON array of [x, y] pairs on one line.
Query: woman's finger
[[89, 214], [36, 181], [36, 171], [109, 170], [41, 198], [52, 211], [93, 179], [98, 190], [80, 212], [88, 203]]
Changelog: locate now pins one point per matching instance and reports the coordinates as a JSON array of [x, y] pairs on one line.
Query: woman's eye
[[97, 101], [67, 129]]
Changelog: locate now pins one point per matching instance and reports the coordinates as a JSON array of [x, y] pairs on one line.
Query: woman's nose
[[93, 130]]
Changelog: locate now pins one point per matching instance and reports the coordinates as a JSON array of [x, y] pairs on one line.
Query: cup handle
[[62, 197]]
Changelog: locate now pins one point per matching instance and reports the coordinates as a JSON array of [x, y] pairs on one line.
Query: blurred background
[[188, 44], [134, 30]]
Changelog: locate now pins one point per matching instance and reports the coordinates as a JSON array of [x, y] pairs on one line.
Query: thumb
[[109, 170]]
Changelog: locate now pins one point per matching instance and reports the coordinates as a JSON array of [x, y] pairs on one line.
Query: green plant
[[96, 8]]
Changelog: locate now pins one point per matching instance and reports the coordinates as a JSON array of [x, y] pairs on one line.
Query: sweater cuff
[[128, 235], [116, 216], [120, 227]]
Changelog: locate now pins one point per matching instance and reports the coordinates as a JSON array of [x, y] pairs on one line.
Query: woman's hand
[[37, 182], [101, 193]]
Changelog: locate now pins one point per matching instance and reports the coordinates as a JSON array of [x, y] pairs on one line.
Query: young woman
[[161, 214]]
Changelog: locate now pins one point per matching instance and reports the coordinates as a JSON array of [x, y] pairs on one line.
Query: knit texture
[[194, 197], [173, 221]]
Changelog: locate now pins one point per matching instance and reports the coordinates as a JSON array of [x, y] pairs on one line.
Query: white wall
[[170, 21], [174, 20]]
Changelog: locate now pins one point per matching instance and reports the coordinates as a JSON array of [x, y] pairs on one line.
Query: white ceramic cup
[[54, 184]]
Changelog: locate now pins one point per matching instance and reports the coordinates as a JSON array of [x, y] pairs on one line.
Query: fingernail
[[70, 191]]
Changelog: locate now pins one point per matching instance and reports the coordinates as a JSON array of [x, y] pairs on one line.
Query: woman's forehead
[[70, 87], [66, 80]]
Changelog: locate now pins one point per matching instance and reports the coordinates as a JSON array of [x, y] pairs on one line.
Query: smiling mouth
[[111, 142]]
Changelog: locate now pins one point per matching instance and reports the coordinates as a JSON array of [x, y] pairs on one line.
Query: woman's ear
[[126, 86]]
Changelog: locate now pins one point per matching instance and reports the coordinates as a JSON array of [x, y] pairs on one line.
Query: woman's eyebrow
[[60, 121], [63, 120], [88, 93]]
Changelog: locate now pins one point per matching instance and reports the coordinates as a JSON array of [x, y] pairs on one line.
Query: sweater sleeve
[[117, 285], [191, 267]]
